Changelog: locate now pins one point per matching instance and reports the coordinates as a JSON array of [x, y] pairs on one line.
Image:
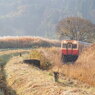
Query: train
[[71, 49]]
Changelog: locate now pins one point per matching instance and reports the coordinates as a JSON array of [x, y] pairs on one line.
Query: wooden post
[[56, 76], [20, 54]]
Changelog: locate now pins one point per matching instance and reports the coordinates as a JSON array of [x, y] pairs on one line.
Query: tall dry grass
[[45, 63], [28, 80], [53, 54], [86, 65], [83, 69]]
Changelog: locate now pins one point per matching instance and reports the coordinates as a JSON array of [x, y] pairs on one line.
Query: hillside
[[25, 79], [28, 80], [19, 78], [39, 18], [5, 56], [27, 42]]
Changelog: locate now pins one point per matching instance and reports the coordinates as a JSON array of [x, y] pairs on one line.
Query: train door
[[69, 49]]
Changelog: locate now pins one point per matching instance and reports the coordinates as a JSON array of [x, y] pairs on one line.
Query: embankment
[[29, 80]]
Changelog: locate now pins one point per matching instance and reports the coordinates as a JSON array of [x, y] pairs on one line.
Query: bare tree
[[76, 28]]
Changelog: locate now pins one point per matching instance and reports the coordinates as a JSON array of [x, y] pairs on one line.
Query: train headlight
[[64, 41], [75, 42]]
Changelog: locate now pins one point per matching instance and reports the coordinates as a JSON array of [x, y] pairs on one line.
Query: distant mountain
[[39, 17]]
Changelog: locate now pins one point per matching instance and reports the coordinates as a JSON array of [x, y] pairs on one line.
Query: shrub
[[44, 62]]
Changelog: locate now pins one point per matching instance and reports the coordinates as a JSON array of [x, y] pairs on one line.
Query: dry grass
[[4, 89], [28, 80], [12, 51], [39, 55], [53, 54], [83, 69], [1, 82], [4, 57], [86, 65], [27, 42]]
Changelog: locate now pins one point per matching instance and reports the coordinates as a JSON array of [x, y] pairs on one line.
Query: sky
[[40, 17]]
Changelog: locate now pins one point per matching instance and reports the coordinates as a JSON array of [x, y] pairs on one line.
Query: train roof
[[81, 42], [68, 41]]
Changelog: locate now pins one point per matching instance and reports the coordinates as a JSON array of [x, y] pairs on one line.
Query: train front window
[[64, 45], [69, 45], [74, 46]]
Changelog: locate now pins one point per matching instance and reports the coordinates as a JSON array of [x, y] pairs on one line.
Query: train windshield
[[64, 46], [69, 45], [74, 46]]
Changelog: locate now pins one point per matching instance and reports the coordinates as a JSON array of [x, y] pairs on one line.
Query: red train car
[[69, 50]]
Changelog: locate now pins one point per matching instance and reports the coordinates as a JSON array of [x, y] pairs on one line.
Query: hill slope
[[28, 80], [27, 42]]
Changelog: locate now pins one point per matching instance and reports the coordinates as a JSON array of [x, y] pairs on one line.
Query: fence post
[[56, 76]]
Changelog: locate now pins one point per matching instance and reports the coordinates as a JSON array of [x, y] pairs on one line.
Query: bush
[[44, 62]]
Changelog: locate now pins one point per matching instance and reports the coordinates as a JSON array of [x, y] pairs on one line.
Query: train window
[[69, 45], [74, 46], [64, 45]]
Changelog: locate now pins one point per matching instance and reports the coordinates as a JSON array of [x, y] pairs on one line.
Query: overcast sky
[[40, 17]]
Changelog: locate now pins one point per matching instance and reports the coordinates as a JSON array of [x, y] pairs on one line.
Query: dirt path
[[28, 80]]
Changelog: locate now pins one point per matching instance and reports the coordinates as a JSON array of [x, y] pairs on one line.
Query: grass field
[[83, 69], [5, 56], [29, 80], [74, 79]]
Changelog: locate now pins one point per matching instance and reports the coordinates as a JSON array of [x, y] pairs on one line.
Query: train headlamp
[[75, 42], [64, 41]]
